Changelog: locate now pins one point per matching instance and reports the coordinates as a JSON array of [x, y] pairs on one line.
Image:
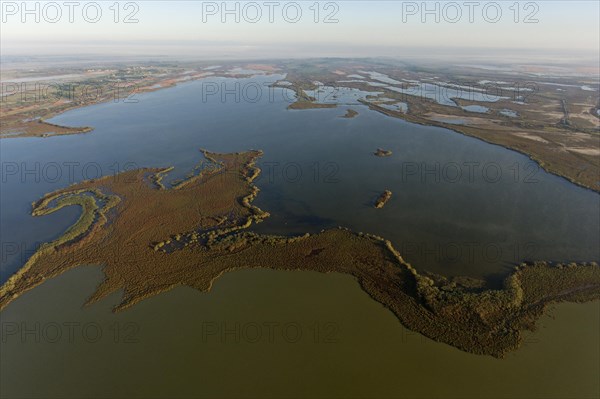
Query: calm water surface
[[460, 206], [337, 343]]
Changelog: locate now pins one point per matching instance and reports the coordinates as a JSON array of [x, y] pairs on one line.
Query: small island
[[382, 153], [383, 199], [350, 113]]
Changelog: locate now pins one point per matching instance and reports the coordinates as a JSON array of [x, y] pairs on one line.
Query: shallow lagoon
[[476, 108], [460, 206]]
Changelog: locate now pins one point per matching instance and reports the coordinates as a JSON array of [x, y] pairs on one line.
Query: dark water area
[[459, 205], [264, 333]]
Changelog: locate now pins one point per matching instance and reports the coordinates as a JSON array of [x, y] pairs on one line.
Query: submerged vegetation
[[151, 238], [350, 113], [304, 101], [382, 153]]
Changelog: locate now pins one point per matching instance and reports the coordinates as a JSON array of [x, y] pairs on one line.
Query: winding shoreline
[[202, 225], [305, 102]]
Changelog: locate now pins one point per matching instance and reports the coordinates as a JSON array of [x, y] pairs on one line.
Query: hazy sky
[[358, 28]]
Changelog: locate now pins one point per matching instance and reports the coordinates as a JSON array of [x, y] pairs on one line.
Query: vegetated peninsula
[[383, 199], [31, 96], [25, 107], [151, 237]]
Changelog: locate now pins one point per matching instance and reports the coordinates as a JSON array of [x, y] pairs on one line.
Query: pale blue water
[[476, 108], [509, 113]]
